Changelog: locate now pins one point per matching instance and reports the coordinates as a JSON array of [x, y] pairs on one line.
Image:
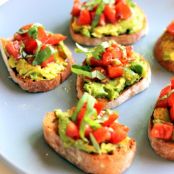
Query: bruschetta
[[161, 124], [96, 21], [90, 138], [164, 48], [112, 73], [36, 59]]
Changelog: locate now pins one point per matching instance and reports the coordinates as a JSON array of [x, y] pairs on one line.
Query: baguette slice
[[116, 163], [124, 39], [163, 148], [125, 95], [158, 52], [28, 84]]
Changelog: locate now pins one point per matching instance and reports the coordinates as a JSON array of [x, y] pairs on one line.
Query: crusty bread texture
[[159, 52], [115, 163], [124, 39], [28, 84], [163, 148], [125, 95]]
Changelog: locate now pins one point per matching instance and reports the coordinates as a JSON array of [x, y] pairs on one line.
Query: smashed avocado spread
[[109, 69], [87, 128], [36, 54], [107, 25]]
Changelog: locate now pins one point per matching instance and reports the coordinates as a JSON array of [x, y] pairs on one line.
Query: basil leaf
[[94, 143], [43, 55], [92, 3], [33, 32], [85, 71]]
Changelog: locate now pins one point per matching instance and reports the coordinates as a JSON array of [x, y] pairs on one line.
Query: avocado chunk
[[161, 114]]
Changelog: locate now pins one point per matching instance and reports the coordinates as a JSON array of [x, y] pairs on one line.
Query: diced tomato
[[109, 13], [88, 130], [13, 49], [118, 1], [27, 27], [107, 58], [162, 103], [162, 131], [72, 130], [42, 35], [111, 119], [54, 39], [102, 21], [18, 37], [165, 91], [172, 113], [30, 45], [81, 114], [76, 8], [171, 100], [172, 83], [170, 28], [84, 18], [96, 62], [129, 51], [115, 71], [116, 51], [47, 61], [99, 106], [119, 134], [123, 11], [102, 134]]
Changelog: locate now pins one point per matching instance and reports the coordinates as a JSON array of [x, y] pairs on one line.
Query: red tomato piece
[[129, 51], [72, 130], [102, 134], [30, 45], [162, 131], [42, 35], [172, 83], [111, 119], [172, 113], [162, 103], [13, 49], [27, 27], [76, 8], [115, 71], [81, 114], [165, 91], [171, 100], [88, 130], [96, 62], [119, 134], [102, 20], [170, 28], [18, 37], [99, 106], [54, 39], [107, 58], [47, 61], [123, 11], [109, 13], [84, 18]]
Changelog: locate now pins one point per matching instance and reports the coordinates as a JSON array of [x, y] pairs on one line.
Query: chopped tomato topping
[[170, 28], [42, 35], [47, 61], [72, 130], [109, 13], [102, 20], [30, 45], [96, 62], [162, 103], [119, 134], [162, 131], [99, 106], [129, 51], [27, 27], [102, 134], [111, 119], [171, 100], [172, 113], [76, 8], [115, 71], [81, 114], [165, 91], [54, 39], [107, 58], [84, 18], [13, 49], [123, 11], [88, 130], [172, 83]]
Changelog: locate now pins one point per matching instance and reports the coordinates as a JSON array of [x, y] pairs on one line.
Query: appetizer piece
[[161, 124], [89, 137], [111, 73], [95, 21], [164, 48], [36, 59]]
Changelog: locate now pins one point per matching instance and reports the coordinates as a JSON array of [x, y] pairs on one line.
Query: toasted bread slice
[[37, 86], [125, 95], [124, 39], [115, 163], [163, 148], [159, 52]]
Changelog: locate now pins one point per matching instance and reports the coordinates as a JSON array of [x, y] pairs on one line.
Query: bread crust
[[116, 163], [125, 95], [28, 84], [124, 39], [158, 54], [163, 148]]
